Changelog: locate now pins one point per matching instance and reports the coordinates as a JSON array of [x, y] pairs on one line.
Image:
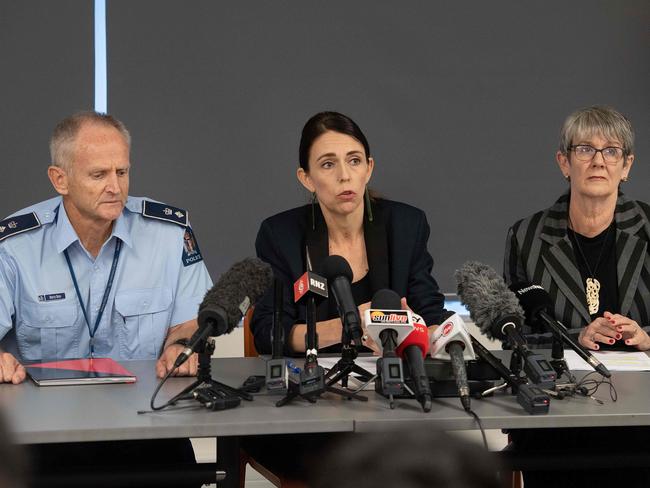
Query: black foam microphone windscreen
[[386, 299], [236, 290]]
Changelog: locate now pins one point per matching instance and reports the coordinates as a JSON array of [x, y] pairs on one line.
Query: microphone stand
[[276, 367], [309, 384], [346, 366], [557, 357], [209, 392]]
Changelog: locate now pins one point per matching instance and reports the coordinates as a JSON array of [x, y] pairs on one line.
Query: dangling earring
[[624, 179], [313, 211], [366, 196], [568, 178]]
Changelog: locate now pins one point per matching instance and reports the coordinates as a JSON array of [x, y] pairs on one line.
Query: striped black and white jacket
[[538, 251]]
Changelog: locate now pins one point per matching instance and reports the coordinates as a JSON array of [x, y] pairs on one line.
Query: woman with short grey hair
[[590, 249], [590, 252]]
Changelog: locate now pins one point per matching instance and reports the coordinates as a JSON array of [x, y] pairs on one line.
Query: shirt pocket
[[48, 331], [142, 320]]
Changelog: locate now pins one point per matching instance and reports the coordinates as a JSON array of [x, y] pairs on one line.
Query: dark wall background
[[46, 71], [461, 101]]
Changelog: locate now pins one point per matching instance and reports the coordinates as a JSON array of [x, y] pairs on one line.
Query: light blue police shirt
[[160, 281]]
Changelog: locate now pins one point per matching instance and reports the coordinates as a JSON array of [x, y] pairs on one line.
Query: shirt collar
[[65, 235]]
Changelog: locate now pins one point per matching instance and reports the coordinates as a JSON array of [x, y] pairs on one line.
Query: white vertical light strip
[[101, 97]]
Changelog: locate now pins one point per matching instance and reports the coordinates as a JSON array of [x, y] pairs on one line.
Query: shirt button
[[48, 318], [96, 268], [145, 303]]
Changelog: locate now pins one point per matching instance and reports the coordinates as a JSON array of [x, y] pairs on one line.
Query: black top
[[600, 252], [396, 247]]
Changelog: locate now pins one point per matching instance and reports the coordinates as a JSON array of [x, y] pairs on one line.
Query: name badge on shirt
[[51, 297], [191, 251]]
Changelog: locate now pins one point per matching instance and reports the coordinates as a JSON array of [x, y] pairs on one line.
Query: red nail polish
[[627, 341], [611, 341], [618, 336]]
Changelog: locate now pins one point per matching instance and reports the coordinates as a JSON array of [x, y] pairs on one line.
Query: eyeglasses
[[585, 152]]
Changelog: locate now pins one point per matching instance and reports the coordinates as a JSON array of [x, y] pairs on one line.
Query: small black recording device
[[533, 399]]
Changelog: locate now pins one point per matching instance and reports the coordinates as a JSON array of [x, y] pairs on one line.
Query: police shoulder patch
[[162, 211], [18, 224], [191, 251]]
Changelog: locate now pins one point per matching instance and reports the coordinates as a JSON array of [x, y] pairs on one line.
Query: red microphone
[[418, 338], [412, 350]]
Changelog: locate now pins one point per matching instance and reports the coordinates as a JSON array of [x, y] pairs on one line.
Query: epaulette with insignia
[[162, 211], [18, 224]]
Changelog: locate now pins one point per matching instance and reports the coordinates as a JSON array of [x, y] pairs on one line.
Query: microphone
[[386, 323], [533, 399], [309, 287], [496, 311], [338, 273], [227, 302], [536, 301], [452, 342], [388, 326], [413, 349], [311, 379]]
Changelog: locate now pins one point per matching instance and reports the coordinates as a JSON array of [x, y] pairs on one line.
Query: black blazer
[[539, 251], [396, 246]]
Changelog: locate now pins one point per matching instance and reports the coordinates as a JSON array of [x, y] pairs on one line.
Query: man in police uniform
[[95, 272]]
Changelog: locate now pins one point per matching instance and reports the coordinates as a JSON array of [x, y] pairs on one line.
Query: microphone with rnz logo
[[309, 287], [388, 326], [452, 342]]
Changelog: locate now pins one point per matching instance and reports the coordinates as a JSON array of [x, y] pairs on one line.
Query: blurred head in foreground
[[422, 458]]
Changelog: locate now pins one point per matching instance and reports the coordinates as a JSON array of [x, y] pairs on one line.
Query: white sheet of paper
[[613, 360]]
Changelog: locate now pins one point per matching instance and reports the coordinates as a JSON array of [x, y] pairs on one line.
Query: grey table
[[110, 412]]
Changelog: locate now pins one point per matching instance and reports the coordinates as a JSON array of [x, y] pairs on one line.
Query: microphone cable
[[590, 384], [155, 393], [480, 426]]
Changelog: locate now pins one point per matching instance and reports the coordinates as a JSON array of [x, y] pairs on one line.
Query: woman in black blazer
[[385, 242]]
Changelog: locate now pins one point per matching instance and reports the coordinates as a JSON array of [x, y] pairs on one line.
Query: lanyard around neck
[[107, 291]]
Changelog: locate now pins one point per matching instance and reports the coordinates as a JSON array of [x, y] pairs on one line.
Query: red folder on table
[[79, 372]]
